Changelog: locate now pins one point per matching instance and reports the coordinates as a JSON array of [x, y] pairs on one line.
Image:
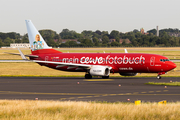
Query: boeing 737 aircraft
[[94, 64]]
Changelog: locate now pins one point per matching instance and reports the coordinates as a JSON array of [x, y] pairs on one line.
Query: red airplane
[[94, 64]]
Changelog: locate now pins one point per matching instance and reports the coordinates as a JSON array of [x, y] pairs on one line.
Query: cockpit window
[[164, 60]]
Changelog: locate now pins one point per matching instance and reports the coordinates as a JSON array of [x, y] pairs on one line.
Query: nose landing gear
[[160, 73], [158, 77]]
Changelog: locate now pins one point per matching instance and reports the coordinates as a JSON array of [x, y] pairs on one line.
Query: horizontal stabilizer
[[33, 56]]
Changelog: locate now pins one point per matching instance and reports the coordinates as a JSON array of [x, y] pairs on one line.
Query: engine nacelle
[[99, 71], [128, 74]]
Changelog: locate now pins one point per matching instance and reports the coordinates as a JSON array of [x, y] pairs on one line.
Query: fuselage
[[120, 62], [94, 64]]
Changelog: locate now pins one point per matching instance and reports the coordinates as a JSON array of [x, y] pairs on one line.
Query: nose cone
[[172, 65]]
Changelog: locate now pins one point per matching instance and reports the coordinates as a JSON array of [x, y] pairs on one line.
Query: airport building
[[20, 45]]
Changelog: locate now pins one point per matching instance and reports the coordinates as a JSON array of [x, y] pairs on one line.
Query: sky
[[79, 15]]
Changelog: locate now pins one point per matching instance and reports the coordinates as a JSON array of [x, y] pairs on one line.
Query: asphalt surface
[[96, 89]]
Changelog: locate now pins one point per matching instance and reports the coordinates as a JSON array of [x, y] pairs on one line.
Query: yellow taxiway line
[[98, 80], [87, 95], [13, 92]]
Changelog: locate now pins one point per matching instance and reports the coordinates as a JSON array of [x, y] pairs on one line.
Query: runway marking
[[97, 96], [25, 81], [158, 91], [99, 80], [151, 91], [71, 98], [80, 97], [12, 92], [86, 95], [89, 96], [124, 94], [105, 95], [157, 94], [63, 98]]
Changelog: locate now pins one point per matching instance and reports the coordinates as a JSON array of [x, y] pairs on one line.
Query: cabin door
[[152, 61]]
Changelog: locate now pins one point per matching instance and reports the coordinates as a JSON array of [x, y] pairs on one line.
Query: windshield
[[164, 60]]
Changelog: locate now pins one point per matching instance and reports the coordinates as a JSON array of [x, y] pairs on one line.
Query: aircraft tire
[[88, 76], [158, 77], [105, 77]]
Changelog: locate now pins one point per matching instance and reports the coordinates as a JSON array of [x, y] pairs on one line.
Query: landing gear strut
[[88, 76], [158, 77], [160, 73], [105, 77]]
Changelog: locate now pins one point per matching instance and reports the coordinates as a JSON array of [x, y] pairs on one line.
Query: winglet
[[22, 55], [125, 51]]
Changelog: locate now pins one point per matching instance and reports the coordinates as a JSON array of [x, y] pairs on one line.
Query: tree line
[[88, 38]]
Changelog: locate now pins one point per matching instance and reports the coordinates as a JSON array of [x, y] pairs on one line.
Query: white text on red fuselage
[[106, 60], [113, 60]]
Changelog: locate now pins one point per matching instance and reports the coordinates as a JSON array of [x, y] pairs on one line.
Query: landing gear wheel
[[105, 77], [88, 76], [158, 77]]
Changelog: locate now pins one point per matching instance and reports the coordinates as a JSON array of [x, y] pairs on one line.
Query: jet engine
[[99, 71], [128, 74]]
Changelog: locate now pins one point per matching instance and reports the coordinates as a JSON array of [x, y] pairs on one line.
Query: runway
[[96, 89]]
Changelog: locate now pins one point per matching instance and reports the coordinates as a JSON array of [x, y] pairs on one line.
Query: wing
[[70, 65], [61, 64]]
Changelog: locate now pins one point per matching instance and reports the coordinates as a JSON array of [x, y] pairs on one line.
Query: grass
[[35, 70], [31, 69], [163, 83], [68, 110]]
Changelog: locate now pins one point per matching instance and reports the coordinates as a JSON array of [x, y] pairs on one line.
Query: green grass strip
[[163, 83]]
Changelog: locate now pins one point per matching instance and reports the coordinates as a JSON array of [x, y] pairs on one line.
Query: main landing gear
[[88, 76], [105, 77]]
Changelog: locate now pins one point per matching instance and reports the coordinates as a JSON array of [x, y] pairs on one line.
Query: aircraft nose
[[172, 65]]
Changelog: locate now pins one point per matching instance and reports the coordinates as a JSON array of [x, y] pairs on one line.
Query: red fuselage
[[120, 62]]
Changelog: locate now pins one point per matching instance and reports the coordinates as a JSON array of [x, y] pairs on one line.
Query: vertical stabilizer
[[35, 39]]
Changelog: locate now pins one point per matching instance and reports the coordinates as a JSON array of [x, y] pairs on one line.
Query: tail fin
[[36, 41]]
